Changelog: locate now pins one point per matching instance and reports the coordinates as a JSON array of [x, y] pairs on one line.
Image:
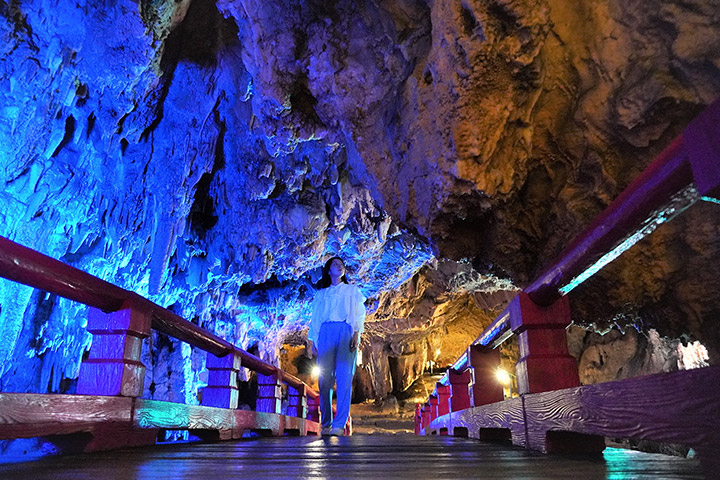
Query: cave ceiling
[[212, 154]]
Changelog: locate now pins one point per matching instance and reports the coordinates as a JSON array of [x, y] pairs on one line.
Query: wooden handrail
[[667, 175], [556, 413], [29, 267], [670, 173], [26, 266]]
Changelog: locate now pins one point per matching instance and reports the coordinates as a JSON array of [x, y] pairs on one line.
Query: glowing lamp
[[503, 377], [315, 372]]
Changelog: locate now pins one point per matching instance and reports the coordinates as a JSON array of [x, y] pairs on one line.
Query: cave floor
[[359, 456], [369, 419]]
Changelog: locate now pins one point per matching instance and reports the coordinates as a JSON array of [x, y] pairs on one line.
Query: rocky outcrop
[[426, 324]]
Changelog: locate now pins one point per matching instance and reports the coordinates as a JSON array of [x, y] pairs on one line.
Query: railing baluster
[[484, 363], [269, 393], [313, 409], [443, 393], [113, 366], [297, 401], [433, 401], [222, 388], [418, 419], [459, 389], [544, 363], [425, 411]]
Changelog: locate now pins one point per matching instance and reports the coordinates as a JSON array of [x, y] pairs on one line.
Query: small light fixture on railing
[[503, 376], [505, 379]]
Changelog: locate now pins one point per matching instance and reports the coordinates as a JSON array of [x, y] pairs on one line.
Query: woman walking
[[337, 322]]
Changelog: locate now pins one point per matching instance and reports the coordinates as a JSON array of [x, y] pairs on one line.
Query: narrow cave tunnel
[[209, 157]]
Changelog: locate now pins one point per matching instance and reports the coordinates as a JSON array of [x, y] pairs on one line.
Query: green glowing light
[[678, 204], [710, 199]]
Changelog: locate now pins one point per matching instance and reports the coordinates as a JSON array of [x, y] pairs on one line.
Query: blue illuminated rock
[[138, 153]]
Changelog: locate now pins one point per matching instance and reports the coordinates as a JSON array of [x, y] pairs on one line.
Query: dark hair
[[326, 281]]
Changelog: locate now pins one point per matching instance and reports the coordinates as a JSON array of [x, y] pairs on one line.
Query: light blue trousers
[[337, 365]]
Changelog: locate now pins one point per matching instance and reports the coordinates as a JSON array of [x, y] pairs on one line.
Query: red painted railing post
[[269, 393], [484, 362], [443, 406], [313, 409], [425, 412], [443, 393], [222, 388], [459, 389], [544, 363], [433, 401], [418, 419], [113, 366], [702, 144], [297, 401]]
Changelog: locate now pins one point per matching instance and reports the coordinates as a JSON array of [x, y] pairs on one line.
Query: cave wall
[[145, 154]]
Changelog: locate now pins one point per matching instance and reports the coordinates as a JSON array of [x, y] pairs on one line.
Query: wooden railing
[[553, 412], [107, 411]]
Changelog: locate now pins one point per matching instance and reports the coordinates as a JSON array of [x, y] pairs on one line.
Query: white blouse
[[337, 303]]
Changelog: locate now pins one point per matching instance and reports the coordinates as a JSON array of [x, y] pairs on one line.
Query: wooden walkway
[[360, 456]]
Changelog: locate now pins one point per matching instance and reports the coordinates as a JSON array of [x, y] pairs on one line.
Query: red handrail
[[667, 175], [24, 265]]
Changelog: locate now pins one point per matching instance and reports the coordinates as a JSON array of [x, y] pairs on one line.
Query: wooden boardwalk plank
[[360, 456]]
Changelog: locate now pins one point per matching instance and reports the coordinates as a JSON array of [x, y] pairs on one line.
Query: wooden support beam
[[27, 415], [156, 414], [312, 427], [297, 401], [269, 393], [83, 423], [113, 366], [484, 422], [222, 388], [678, 407], [78, 423], [484, 363], [459, 389], [544, 363]]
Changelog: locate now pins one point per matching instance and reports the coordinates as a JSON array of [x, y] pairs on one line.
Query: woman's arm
[[354, 341], [358, 317]]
